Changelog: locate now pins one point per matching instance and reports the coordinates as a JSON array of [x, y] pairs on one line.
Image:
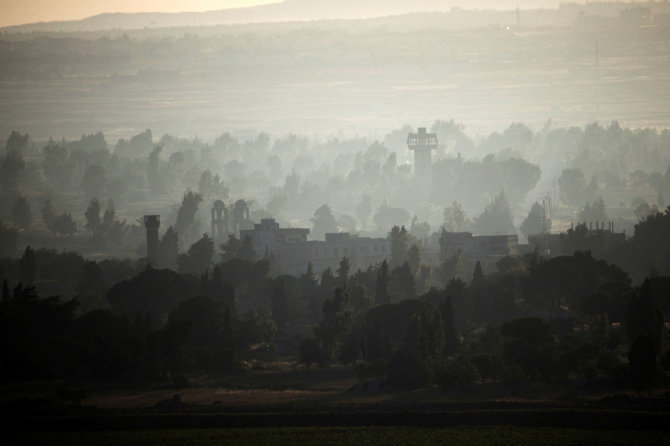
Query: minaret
[[422, 144], [151, 223]]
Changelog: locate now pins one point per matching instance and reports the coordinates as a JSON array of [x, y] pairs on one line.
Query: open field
[[320, 406], [480, 435], [333, 78]]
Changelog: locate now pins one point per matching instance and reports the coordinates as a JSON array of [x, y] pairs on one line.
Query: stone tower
[[422, 144], [151, 223]]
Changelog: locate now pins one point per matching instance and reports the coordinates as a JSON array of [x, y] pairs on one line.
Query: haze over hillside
[[287, 10]]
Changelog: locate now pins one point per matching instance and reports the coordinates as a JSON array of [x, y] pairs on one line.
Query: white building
[[294, 252]]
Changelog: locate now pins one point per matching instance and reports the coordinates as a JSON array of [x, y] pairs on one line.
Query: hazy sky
[[16, 12]]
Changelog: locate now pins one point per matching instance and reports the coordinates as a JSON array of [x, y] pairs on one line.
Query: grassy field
[[470, 435], [330, 81]]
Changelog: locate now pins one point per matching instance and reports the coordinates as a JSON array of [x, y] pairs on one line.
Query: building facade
[[485, 249], [294, 252]]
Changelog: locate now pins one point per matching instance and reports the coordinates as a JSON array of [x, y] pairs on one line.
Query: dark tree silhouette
[[536, 222], [343, 271], [48, 212], [335, 323], [364, 210], [186, 212], [381, 290], [643, 364], [478, 275], [93, 220], [496, 218], [153, 291], [11, 166], [450, 336], [168, 250], [16, 143], [92, 287], [323, 222], [21, 215], [64, 224], [455, 218], [402, 283], [93, 181], [28, 267], [399, 246], [198, 257], [280, 306]]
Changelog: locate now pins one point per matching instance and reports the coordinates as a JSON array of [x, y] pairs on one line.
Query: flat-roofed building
[[485, 249], [294, 252]]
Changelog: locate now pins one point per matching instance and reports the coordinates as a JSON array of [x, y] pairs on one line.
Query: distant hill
[[288, 10]]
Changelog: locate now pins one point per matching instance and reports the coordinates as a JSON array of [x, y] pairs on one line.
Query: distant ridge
[[288, 10]]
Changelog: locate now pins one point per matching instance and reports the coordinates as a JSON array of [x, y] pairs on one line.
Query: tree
[[478, 275], [168, 249], [55, 165], [186, 213], [231, 249], [364, 210], [426, 335], [451, 267], [93, 181], [310, 352], [307, 280], [152, 291], [399, 246], [449, 328], [11, 166], [414, 259], [64, 224], [536, 222], [91, 286], [21, 215], [643, 364], [572, 184], [28, 267], [643, 318], [111, 228], [642, 209], [455, 218], [402, 282], [93, 220], [496, 218], [335, 323], [594, 213], [155, 175], [247, 251], [280, 306], [528, 345], [48, 212], [343, 271], [9, 237], [198, 257], [381, 290], [323, 222], [16, 143], [387, 216], [211, 186]]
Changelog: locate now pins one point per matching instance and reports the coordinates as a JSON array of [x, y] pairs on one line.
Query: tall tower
[[422, 144], [151, 223], [219, 220]]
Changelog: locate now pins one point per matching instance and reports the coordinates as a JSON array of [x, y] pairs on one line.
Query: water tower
[[422, 144], [151, 223]]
